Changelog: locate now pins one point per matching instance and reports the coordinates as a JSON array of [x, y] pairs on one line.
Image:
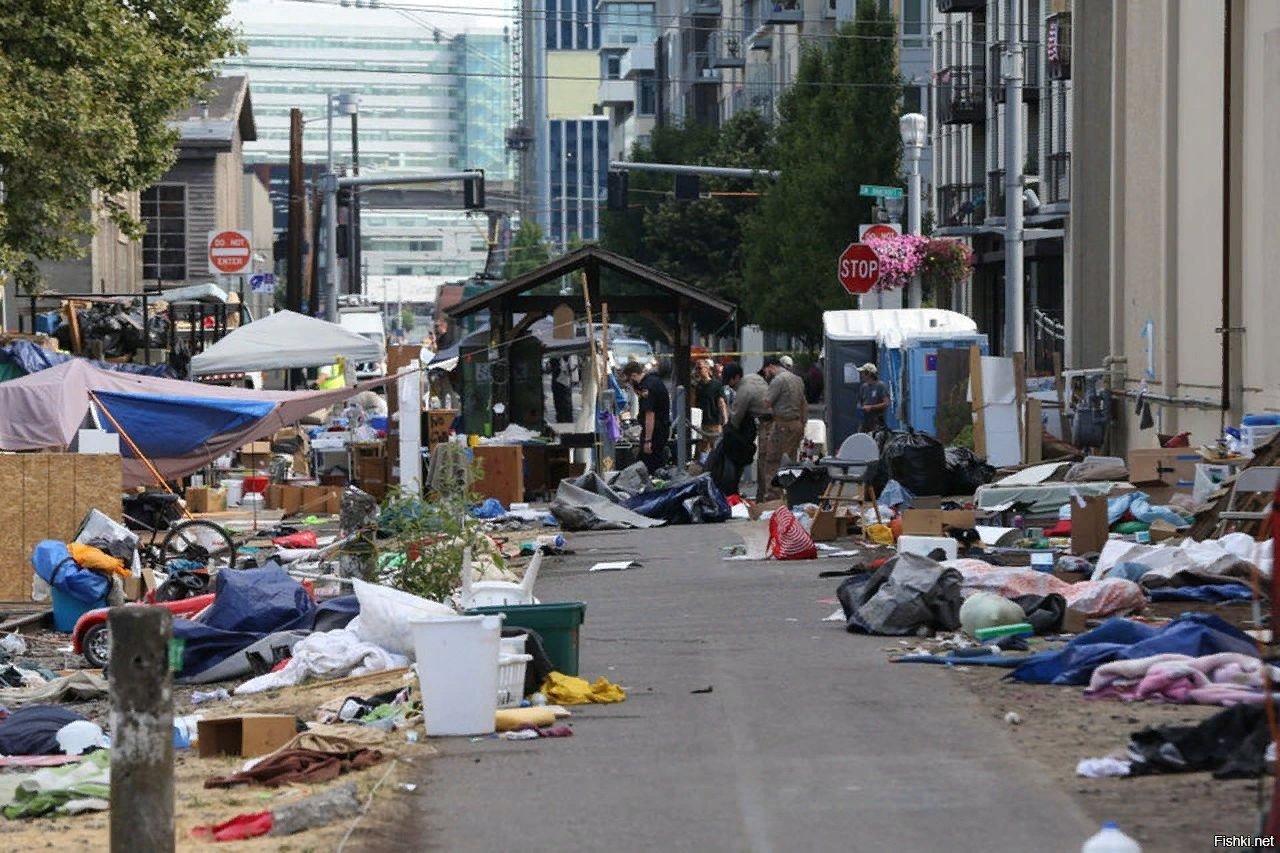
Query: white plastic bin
[[235, 491], [511, 679], [458, 673], [925, 545]]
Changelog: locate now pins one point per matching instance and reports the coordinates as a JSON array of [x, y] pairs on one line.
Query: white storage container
[[1254, 437], [458, 673], [924, 545], [511, 679]]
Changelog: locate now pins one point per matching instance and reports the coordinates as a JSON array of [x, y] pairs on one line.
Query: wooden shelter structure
[[601, 279]]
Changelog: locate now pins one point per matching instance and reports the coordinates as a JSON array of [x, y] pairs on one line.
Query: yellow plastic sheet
[[561, 689], [89, 557], [880, 534]]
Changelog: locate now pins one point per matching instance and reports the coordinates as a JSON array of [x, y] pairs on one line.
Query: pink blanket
[[1092, 598], [1229, 678]]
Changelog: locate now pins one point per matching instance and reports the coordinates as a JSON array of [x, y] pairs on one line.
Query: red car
[[92, 637]]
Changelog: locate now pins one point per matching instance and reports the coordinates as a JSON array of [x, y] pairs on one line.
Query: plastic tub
[[256, 485], [511, 679], [235, 491], [557, 624], [458, 673], [67, 609]]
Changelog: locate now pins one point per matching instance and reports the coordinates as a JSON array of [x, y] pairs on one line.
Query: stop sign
[[859, 268], [230, 252]]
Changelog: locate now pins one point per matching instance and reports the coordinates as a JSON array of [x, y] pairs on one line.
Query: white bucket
[[458, 673], [235, 491]]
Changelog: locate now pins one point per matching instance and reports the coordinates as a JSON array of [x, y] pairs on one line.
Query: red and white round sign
[[230, 252]]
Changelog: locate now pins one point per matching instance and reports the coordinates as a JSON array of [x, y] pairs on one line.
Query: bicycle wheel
[[203, 541]]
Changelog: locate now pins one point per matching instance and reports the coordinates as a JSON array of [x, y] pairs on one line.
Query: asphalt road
[[808, 741]]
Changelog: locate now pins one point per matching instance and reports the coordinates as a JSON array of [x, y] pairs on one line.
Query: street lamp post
[[914, 130], [347, 104]]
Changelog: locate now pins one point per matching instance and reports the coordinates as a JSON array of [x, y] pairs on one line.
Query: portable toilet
[[903, 343]]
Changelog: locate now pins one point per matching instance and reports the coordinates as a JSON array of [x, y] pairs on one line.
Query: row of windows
[[329, 43], [579, 152], [572, 25], [164, 245], [398, 90]]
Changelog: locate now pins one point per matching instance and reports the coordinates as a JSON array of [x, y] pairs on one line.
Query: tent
[[179, 426], [284, 340]]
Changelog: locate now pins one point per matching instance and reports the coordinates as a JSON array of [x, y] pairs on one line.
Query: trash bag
[[724, 473], [917, 461], [965, 471], [788, 540], [53, 563], [906, 594], [692, 502]]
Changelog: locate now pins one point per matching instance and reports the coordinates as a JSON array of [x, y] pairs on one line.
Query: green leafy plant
[[423, 555]]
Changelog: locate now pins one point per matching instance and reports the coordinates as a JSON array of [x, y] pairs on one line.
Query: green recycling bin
[[557, 624]]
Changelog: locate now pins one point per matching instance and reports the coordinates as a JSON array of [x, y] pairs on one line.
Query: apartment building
[[969, 111]]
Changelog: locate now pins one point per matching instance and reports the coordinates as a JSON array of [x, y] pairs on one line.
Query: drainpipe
[[1225, 331]]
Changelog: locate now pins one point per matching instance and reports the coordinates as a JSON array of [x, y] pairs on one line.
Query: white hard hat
[[786, 361]]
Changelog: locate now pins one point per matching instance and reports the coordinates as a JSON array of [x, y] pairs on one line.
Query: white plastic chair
[[1251, 481], [498, 593]]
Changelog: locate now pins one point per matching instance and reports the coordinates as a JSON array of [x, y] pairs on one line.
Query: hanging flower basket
[[936, 261]]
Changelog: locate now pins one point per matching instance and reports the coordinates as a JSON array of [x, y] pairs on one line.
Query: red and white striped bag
[[788, 540]]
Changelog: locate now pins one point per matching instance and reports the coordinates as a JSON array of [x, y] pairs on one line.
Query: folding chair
[[1250, 483], [849, 467]]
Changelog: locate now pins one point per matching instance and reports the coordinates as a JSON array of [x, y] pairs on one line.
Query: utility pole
[[297, 213], [1013, 262], [353, 212], [330, 225]]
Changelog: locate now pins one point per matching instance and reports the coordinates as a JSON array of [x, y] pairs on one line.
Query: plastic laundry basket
[[458, 673], [511, 679]]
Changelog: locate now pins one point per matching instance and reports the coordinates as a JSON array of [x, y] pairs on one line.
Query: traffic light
[[618, 181], [688, 188], [473, 190]]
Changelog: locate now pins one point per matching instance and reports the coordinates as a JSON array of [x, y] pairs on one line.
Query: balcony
[[616, 93], [962, 94], [725, 50], [995, 193], [961, 7], [789, 12], [761, 38], [698, 70], [961, 205], [1030, 74], [1057, 46], [638, 61], [1057, 182], [702, 8]]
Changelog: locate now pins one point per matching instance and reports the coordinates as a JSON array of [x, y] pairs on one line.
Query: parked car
[[632, 349], [367, 322]]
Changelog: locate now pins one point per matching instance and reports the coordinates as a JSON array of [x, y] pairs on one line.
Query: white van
[[367, 323]]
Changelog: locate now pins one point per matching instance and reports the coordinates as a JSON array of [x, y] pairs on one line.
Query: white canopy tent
[[283, 340]]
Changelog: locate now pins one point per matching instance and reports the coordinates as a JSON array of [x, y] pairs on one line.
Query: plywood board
[[13, 566], [35, 517], [99, 481], [63, 476]]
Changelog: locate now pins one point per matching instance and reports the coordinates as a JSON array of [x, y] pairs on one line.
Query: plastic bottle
[[1111, 840]]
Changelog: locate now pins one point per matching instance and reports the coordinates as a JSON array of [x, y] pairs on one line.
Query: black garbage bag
[[1231, 743], [905, 595], [917, 461], [966, 471], [724, 472], [691, 502]]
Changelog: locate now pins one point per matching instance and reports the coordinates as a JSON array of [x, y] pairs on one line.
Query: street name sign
[[876, 191]]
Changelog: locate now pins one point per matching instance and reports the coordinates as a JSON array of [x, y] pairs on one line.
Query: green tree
[[838, 129], [528, 250], [86, 91]]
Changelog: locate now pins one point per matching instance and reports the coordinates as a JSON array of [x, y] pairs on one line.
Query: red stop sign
[[859, 268]]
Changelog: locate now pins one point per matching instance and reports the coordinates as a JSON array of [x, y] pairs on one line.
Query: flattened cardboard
[[1089, 528], [247, 735], [930, 522]]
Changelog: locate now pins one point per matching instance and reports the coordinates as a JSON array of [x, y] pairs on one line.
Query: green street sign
[[873, 191]]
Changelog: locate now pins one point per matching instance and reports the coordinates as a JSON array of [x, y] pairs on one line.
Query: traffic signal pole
[[704, 171]]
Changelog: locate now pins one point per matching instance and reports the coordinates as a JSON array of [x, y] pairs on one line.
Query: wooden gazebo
[[620, 283]]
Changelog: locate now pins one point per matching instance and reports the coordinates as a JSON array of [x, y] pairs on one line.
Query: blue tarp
[[491, 508], [52, 562], [167, 426], [1194, 634], [33, 359], [1136, 504], [1206, 592], [691, 502], [249, 604]]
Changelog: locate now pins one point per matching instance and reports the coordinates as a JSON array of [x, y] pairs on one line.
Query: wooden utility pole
[[297, 212], [141, 730]]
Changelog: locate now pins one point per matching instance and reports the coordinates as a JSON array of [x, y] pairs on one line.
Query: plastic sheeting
[[1092, 598], [695, 501], [905, 594], [1194, 634], [166, 425], [577, 508], [29, 358], [53, 563], [249, 605]]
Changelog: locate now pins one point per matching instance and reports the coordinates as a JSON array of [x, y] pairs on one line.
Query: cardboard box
[[930, 522], [502, 474], [828, 525], [1089, 527], [247, 735], [256, 455], [1172, 466], [372, 475], [201, 499], [134, 588]]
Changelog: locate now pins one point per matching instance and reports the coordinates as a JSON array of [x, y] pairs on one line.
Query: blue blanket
[[1207, 592], [1194, 634]]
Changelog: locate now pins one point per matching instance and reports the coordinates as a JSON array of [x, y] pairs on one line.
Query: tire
[[96, 645], [202, 541]]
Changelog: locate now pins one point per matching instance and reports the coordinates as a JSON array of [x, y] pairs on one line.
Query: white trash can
[[458, 673], [235, 491]]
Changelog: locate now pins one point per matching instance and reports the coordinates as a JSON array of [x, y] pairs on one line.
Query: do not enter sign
[[230, 252], [859, 268]]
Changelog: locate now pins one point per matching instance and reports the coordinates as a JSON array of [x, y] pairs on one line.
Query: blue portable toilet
[[903, 343]]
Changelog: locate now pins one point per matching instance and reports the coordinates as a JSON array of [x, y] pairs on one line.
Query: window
[[913, 22], [479, 244], [913, 100], [646, 96], [164, 245], [612, 66]]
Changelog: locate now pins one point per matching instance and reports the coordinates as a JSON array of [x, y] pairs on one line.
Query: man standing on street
[[655, 414], [786, 402], [873, 398], [739, 442], [715, 411]]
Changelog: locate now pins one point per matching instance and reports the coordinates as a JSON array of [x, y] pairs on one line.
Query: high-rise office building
[[430, 100]]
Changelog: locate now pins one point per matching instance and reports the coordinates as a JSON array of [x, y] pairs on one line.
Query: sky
[[451, 16]]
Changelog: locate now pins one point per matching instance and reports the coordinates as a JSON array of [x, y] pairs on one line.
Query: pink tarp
[[43, 411]]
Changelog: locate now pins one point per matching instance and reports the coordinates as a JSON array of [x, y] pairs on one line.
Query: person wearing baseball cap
[[873, 398], [786, 404]]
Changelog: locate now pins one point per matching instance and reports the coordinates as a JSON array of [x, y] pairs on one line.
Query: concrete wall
[[573, 83], [256, 216]]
